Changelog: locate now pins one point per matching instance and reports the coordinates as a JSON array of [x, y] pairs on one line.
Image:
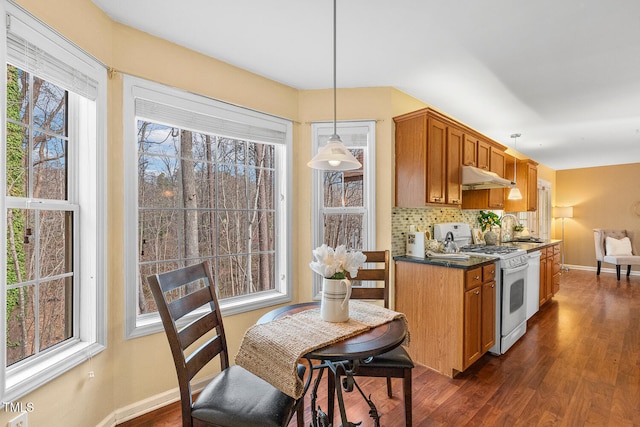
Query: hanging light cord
[[515, 139], [335, 104]]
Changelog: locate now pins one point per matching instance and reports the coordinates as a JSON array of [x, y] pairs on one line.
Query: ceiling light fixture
[[514, 193], [334, 156]]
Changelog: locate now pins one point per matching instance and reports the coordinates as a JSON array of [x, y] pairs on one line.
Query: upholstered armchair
[[615, 247]]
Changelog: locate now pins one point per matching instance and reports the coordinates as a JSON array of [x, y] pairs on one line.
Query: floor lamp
[[563, 212]]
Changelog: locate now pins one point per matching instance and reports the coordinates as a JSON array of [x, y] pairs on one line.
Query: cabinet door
[[543, 278], [496, 195], [483, 157], [549, 275], [472, 326], [470, 151], [532, 187], [454, 166], [555, 280], [488, 315], [436, 161], [411, 161]]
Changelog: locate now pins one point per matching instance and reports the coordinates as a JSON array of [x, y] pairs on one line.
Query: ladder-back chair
[[233, 398]]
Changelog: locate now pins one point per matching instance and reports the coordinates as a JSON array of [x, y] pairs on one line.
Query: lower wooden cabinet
[[451, 313], [479, 313], [550, 268]]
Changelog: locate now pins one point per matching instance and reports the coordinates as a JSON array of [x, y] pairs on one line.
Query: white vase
[[490, 238], [334, 306]]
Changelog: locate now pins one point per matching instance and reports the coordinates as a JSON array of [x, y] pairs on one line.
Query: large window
[[344, 202], [209, 181], [52, 143]]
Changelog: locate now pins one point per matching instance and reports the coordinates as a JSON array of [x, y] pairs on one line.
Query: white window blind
[[28, 49], [216, 117]]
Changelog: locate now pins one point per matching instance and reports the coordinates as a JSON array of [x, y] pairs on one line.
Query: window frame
[[325, 129], [137, 325], [87, 190]]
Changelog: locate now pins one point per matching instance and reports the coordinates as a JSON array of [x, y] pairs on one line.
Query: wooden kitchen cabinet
[[475, 152], [450, 311], [556, 269], [527, 181], [489, 198], [496, 164], [428, 160], [479, 313], [549, 272], [470, 151]]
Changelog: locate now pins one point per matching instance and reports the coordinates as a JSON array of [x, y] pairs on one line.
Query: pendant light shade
[[334, 156], [514, 193]]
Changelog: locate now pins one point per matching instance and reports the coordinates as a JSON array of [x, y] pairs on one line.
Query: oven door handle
[[515, 269]]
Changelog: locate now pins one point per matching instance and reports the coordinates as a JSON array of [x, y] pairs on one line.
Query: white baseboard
[[147, 405], [623, 269]]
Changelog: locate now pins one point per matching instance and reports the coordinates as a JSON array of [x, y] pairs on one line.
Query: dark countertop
[[476, 261], [466, 264], [532, 246]]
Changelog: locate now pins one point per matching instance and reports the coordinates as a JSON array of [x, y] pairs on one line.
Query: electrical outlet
[[19, 421]]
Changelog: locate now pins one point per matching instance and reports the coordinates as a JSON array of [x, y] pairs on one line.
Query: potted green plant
[[487, 220]]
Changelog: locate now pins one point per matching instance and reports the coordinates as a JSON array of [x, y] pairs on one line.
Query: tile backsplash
[[423, 219]]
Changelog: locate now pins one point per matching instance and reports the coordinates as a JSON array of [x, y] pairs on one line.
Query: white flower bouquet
[[334, 264]]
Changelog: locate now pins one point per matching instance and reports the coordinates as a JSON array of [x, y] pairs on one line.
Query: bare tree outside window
[[204, 196], [39, 276]]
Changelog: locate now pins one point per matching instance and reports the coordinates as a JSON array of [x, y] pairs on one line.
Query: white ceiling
[[565, 74]]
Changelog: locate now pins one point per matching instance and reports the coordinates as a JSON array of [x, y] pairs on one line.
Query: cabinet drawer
[[473, 278], [556, 249], [488, 272], [543, 252]]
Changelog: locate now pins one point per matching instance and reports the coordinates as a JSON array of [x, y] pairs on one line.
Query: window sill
[[31, 374], [151, 323]]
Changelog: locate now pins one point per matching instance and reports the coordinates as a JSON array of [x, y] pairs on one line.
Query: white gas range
[[511, 282]]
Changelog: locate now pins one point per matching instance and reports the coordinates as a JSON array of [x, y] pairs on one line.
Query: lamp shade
[[334, 156], [563, 212], [514, 194]]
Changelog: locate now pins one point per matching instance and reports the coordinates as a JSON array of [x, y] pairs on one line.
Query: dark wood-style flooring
[[578, 365]]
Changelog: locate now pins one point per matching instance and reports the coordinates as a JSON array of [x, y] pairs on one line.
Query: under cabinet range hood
[[479, 179]]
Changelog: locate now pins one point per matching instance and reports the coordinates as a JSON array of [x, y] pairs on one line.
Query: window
[[53, 146], [344, 202], [206, 180], [542, 217]]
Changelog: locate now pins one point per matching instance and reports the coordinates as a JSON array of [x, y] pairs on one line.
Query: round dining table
[[342, 359]]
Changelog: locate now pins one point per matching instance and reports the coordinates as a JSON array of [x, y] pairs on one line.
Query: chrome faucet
[[507, 232]]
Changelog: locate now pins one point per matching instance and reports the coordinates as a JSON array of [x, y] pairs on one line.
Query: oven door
[[514, 281]]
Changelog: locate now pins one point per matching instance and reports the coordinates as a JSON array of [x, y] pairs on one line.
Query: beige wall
[[130, 371], [602, 197]]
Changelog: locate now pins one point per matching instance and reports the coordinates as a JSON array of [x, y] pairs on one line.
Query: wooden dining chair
[[233, 398], [396, 363]]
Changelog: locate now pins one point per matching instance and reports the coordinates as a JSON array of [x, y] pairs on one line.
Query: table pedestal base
[[343, 374]]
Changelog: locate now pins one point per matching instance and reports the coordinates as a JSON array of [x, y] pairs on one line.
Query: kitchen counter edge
[[467, 264]]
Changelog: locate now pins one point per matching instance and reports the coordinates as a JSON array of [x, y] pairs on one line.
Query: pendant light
[[334, 155], [514, 193]]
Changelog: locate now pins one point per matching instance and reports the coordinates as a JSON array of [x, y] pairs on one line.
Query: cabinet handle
[[493, 285], [437, 199], [477, 292], [476, 278]]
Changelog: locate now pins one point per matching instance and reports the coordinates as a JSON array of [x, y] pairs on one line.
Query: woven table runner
[[272, 350]]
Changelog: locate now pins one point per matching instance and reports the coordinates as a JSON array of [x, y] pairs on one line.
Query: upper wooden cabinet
[[489, 198], [527, 181], [476, 151], [430, 151], [428, 160]]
